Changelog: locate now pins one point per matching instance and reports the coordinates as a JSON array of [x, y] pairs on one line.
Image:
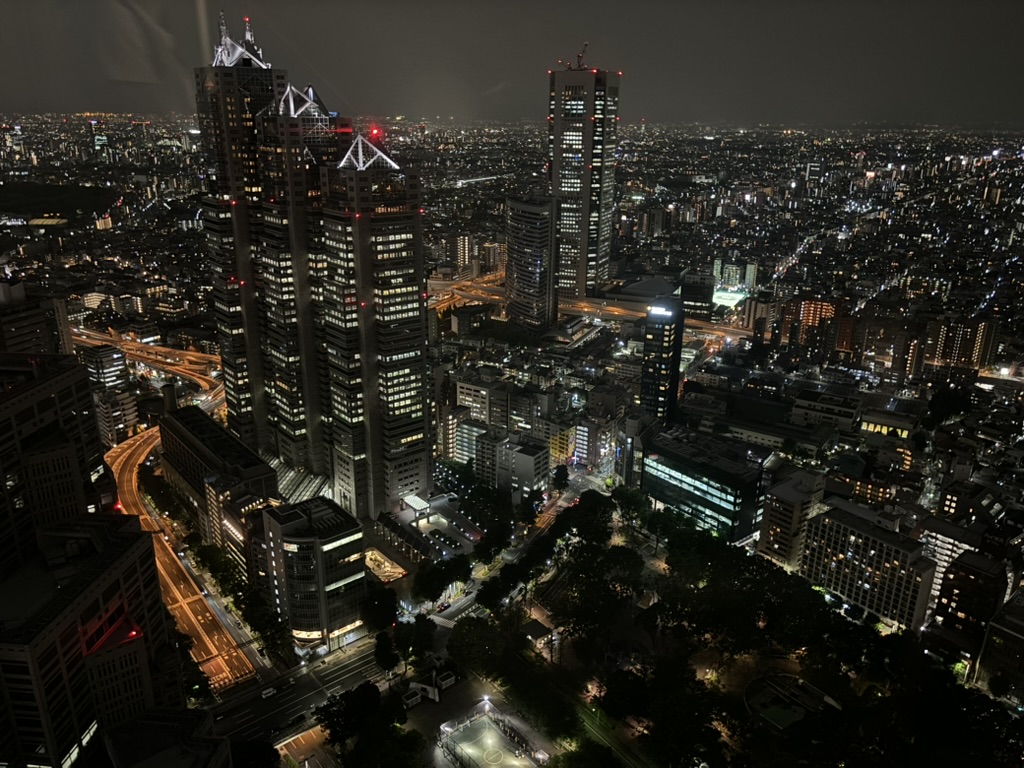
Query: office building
[[107, 366], [788, 506], [697, 295], [717, 484], [530, 267], [117, 414], [583, 106], [663, 344], [50, 451], [812, 407], [467, 433], [231, 95], [375, 333], [487, 400], [195, 447], [862, 559], [239, 534], [85, 640], [316, 571]]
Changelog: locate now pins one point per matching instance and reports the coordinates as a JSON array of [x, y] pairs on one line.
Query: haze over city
[[742, 62]]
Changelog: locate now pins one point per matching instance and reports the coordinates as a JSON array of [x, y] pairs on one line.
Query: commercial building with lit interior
[[715, 483], [316, 572]]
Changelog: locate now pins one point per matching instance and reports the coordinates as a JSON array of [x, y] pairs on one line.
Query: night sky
[[833, 62]]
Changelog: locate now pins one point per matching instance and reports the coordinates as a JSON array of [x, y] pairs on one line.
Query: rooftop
[[214, 437], [73, 555]]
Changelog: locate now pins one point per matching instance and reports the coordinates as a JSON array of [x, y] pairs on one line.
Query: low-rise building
[[715, 483]]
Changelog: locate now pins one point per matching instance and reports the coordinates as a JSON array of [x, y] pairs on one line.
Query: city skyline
[[788, 63], [310, 420]]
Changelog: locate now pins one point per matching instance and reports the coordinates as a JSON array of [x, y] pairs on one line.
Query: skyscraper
[[582, 129], [231, 95], [530, 265], [663, 344], [375, 332], [297, 140], [319, 284]]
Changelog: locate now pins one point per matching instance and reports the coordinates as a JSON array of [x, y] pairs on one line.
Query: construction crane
[[579, 59]]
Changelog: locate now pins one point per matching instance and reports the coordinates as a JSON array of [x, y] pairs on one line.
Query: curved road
[[214, 648]]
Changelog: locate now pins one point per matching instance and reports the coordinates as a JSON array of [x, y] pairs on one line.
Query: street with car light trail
[[214, 648]]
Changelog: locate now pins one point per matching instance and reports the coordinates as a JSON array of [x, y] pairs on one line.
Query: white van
[[269, 692]]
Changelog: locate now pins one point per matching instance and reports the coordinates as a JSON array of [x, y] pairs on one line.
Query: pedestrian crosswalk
[[441, 621]]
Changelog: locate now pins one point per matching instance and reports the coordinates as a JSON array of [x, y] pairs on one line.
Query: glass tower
[[583, 107]]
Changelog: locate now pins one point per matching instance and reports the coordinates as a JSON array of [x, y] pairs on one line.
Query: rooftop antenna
[[248, 31], [223, 25]]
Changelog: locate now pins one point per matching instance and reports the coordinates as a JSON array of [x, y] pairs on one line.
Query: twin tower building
[[315, 238]]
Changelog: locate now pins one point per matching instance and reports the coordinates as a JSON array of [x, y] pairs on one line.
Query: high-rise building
[[965, 342], [231, 95], [788, 506], [697, 294], [297, 140], [319, 284], [31, 325], [583, 106], [85, 640], [375, 332], [530, 264], [50, 452], [107, 366], [663, 344]]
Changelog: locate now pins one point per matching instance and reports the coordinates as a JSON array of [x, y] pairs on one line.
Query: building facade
[[788, 506], [530, 267], [663, 344], [195, 447], [50, 451], [30, 325], [296, 142], [714, 483], [231, 95], [82, 635], [375, 333], [861, 558]]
